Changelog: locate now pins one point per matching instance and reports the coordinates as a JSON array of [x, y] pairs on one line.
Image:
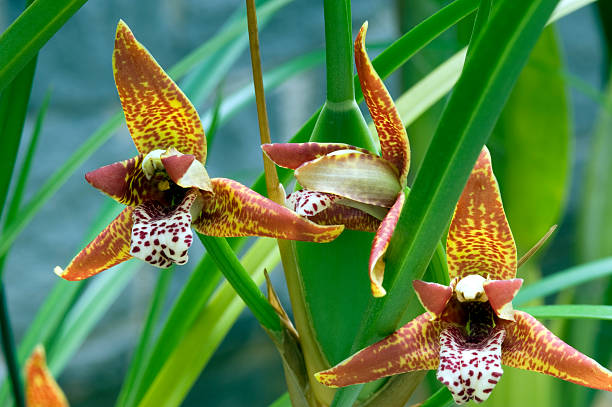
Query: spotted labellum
[[166, 188], [470, 328], [352, 186]]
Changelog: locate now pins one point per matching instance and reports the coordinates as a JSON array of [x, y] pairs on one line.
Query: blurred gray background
[[76, 65]]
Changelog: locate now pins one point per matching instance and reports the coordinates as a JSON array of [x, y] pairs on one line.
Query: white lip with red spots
[[470, 370], [309, 203], [162, 236]]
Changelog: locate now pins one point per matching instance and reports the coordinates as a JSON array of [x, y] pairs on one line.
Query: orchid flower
[[349, 185], [166, 188], [470, 328], [41, 388]]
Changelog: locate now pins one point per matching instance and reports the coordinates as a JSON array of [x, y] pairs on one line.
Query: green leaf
[[282, 401], [441, 398], [213, 322], [531, 145], [29, 32], [564, 279], [570, 311], [235, 273], [86, 312], [144, 344], [192, 299]]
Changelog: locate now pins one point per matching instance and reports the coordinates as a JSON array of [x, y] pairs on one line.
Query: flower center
[[161, 236], [470, 370]]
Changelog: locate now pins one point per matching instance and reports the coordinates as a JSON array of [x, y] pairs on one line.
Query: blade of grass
[[29, 32], [239, 278], [212, 324], [282, 401], [144, 344], [564, 279], [87, 311], [602, 312]]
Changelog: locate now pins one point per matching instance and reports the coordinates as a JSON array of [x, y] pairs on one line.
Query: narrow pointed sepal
[[415, 346], [500, 294], [293, 155], [434, 297], [41, 389], [109, 248], [479, 238], [530, 346], [361, 177], [235, 210], [126, 182], [470, 369], [185, 170], [158, 114], [394, 144], [380, 244]]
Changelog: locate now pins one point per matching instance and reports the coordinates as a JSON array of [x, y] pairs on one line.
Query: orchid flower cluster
[[469, 329]]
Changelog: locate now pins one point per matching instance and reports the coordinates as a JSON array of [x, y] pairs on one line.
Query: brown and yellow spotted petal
[[158, 114], [41, 388], [235, 210], [109, 248], [292, 155], [415, 346], [391, 131], [125, 182], [361, 177], [351, 218], [479, 239], [380, 244], [500, 294], [529, 345], [433, 296]]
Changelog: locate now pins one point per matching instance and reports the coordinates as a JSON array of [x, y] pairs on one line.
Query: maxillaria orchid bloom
[[41, 388], [470, 328], [351, 186], [166, 188]]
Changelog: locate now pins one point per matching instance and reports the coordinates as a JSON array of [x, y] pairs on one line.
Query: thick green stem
[[338, 51]]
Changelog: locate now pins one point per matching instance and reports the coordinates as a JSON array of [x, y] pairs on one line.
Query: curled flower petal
[[236, 210], [125, 182], [394, 144], [380, 244], [351, 218], [185, 170], [309, 203], [161, 236], [529, 345], [41, 389], [500, 294], [362, 177], [479, 239], [415, 346], [109, 248], [158, 114], [470, 370], [293, 155], [434, 297]]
